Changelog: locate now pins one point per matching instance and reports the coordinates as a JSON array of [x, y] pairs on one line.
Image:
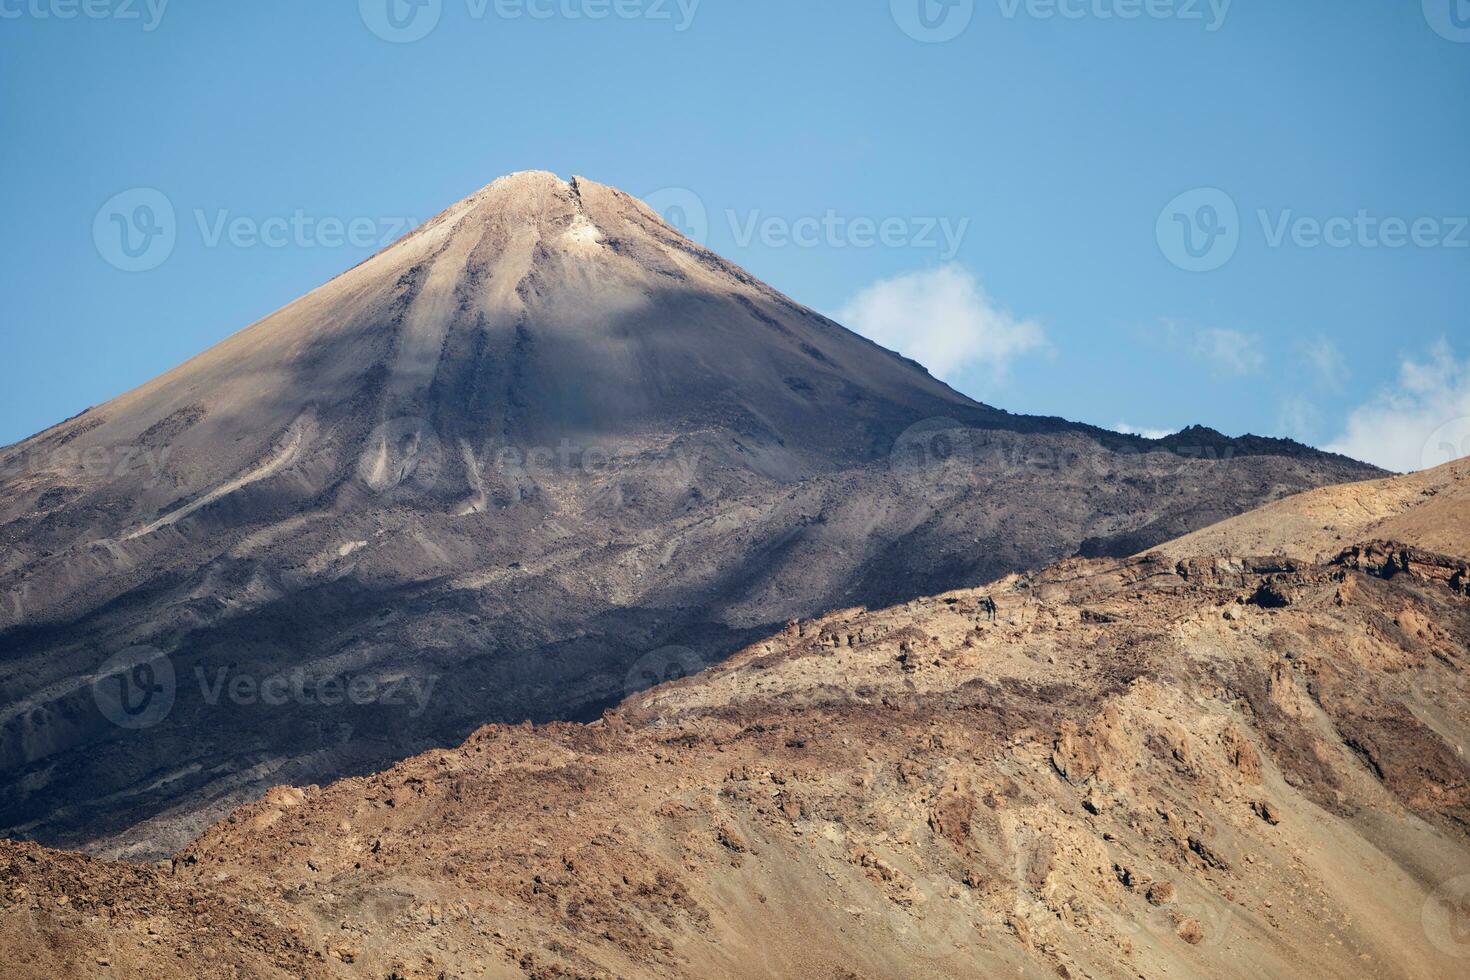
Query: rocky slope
[[1209, 765], [477, 478], [1429, 508]]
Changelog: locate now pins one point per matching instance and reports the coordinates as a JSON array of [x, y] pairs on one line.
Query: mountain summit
[[541, 453]]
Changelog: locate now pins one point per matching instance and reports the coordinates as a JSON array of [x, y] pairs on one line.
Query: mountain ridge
[[536, 439], [1178, 763]]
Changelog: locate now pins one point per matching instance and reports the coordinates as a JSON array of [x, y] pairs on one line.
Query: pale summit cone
[[534, 310]]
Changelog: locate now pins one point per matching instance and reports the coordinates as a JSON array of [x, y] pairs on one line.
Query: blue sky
[[1005, 192]]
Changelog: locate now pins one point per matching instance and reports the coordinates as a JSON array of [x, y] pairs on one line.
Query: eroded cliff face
[[499, 463], [1212, 766]]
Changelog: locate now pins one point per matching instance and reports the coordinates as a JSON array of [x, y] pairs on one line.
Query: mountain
[[493, 474], [1214, 765], [1430, 508]]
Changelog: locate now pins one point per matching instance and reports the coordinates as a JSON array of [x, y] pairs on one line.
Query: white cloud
[[1129, 430], [1421, 421], [943, 319], [1230, 351]]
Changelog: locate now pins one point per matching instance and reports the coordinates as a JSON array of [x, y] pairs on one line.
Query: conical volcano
[[540, 453], [533, 311]]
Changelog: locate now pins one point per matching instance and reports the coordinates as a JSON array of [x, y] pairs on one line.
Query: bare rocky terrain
[[1428, 508], [483, 476], [1172, 764]]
